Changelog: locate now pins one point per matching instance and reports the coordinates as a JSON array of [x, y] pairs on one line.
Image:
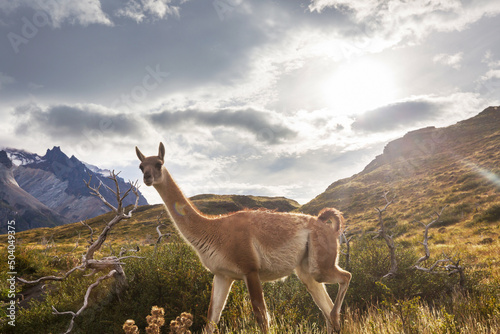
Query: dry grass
[[406, 317]]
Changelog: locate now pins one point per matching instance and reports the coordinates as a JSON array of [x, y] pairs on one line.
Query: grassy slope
[[457, 166]]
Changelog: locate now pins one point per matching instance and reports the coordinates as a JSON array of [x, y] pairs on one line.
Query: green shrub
[[490, 215], [370, 262], [470, 184]]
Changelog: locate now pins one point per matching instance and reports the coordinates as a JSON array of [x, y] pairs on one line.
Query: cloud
[[138, 10], [420, 111], [387, 23], [85, 13], [492, 74], [259, 123], [489, 84], [393, 116], [453, 60], [286, 174], [490, 61], [62, 11], [79, 64], [74, 123]]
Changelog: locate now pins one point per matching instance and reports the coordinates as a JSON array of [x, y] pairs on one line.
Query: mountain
[[457, 166], [57, 181], [16, 204]]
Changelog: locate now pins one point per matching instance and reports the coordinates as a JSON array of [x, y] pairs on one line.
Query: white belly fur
[[280, 262]]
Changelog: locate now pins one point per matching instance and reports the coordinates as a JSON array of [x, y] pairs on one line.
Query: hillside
[[222, 204], [457, 166], [141, 228]]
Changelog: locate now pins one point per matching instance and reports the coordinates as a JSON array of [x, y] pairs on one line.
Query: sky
[[271, 98]]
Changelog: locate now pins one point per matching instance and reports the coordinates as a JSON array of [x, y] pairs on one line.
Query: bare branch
[[160, 235], [425, 243], [437, 267], [123, 250], [95, 191], [387, 202], [114, 177], [347, 253], [134, 187], [91, 237], [111, 263], [388, 238], [107, 187], [52, 278], [96, 245], [85, 301]]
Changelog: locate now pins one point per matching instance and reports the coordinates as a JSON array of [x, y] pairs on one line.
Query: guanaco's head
[[151, 166]]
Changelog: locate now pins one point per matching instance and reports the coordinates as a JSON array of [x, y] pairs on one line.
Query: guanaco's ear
[[139, 154], [161, 152]]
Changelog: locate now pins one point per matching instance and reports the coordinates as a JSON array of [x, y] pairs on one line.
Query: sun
[[357, 86]]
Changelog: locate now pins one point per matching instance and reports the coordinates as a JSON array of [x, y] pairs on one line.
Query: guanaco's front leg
[[252, 281], [220, 290]]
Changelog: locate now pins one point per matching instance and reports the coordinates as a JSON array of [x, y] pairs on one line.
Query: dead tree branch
[[425, 243], [53, 278], [347, 252], [160, 235], [85, 301], [123, 250], [382, 232], [91, 237], [438, 267], [111, 263]]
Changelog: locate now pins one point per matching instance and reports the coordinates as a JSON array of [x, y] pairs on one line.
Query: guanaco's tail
[[332, 215], [324, 243]]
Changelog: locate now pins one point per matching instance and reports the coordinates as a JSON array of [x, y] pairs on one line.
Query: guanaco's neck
[[181, 210]]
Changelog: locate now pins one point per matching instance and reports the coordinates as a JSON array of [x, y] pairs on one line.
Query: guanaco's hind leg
[[331, 311], [254, 286], [319, 295], [343, 278], [220, 290]]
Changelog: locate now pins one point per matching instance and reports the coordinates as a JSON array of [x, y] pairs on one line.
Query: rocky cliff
[[17, 204], [57, 181]]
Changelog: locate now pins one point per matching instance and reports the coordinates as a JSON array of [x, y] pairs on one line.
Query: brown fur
[[330, 213]]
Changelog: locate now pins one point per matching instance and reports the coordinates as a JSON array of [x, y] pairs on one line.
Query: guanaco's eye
[[158, 165]]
